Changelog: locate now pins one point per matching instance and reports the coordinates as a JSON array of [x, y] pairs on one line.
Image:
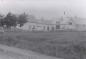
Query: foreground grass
[[67, 45]]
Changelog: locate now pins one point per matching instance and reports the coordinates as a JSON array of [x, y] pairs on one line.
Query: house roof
[[47, 22]]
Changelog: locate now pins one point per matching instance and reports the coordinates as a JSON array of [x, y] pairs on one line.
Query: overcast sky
[[45, 8]]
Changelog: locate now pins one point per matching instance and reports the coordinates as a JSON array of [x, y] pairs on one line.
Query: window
[[70, 23]]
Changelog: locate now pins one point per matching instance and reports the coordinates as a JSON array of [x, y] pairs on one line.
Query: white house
[[50, 25], [68, 23], [39, 26]]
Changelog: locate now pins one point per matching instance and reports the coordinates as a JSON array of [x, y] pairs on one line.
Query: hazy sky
[[45, 8]]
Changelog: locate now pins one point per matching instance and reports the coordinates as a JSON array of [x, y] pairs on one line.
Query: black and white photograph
[[42, 29]]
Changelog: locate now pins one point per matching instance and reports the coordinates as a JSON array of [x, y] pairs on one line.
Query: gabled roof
[[38, 21]]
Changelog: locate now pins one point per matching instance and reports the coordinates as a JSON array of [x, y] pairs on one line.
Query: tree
[[22, 19], [10, 20], [1, 20]]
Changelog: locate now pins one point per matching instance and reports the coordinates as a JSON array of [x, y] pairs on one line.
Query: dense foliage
[[13, 20]]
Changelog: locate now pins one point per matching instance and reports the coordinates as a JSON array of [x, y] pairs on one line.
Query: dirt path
[[16, 53]]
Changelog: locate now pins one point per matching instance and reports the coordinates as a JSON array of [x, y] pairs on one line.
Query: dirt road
[[16, 53]]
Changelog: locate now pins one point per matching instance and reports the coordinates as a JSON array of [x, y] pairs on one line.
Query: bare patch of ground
[[15, 53]]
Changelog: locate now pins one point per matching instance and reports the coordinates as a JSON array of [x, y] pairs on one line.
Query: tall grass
[[67, 45]]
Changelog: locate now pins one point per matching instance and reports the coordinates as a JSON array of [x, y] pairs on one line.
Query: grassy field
[[67, 45]]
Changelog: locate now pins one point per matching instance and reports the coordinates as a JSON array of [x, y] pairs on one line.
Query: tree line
[[13, 20]]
